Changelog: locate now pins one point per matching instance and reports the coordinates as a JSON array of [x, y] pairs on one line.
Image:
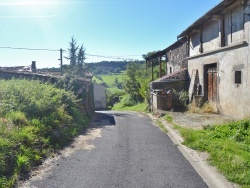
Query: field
[[109, 81]]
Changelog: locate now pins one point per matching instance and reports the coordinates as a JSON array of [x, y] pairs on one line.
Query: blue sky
[[111, 28]]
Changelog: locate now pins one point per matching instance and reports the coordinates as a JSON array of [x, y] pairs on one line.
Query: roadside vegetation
[[38, 118], [228, 146], [124, 106], [35, 119], [136, 89]]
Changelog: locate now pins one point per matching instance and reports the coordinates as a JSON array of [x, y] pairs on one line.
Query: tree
[[81, 58], [76, 57], [131, 84], [116, 81]]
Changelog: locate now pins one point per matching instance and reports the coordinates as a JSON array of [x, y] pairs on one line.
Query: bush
[[35, 118], [180, 98]]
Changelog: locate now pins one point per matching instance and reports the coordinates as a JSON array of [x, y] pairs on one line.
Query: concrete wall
[[211, 36], [233, 25], [99, 97], [194, 43], [233, 99]]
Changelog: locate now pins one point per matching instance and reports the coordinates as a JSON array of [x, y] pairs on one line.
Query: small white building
[[99, 97]]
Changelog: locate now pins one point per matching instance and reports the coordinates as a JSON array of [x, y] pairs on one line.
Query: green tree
[[131, 83], [116, 81], [80, 58], [72, 53], [76, 57]]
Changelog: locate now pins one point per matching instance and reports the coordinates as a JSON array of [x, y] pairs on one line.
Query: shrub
[[180, 98], [34, 118]]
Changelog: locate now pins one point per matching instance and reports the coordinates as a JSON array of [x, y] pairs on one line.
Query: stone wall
[[84, 87], [176, 57]]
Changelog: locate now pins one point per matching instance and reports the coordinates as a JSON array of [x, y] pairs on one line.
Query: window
[[237, 77]]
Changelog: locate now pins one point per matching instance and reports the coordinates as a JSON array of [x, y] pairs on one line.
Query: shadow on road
[[102, 119]]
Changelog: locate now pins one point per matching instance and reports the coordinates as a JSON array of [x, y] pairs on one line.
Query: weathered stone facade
[[176, 57]]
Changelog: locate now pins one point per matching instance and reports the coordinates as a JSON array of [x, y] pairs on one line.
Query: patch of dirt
[[198, 121], [195, 120]]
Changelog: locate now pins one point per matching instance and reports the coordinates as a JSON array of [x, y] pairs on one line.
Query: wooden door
[[212, 84]]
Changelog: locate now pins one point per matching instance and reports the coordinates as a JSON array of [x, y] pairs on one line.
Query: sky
[[35, 30]]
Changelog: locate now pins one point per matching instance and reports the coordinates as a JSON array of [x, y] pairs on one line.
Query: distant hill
[[107, 67]]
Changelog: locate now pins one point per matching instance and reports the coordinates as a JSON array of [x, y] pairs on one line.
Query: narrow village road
[[120, 149]]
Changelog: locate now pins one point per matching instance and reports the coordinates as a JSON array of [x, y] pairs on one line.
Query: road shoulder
[[197, 159]]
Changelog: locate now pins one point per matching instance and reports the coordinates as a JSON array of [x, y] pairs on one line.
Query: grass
[[205, 108], [35, 120], [110, 81], [141, 107], [168, 118], [162, 127], [228, 146]]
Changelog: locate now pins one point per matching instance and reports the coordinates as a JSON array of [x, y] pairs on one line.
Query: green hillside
[[110, 81]]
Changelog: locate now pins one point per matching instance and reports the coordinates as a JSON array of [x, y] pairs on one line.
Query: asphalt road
[[123, 150]]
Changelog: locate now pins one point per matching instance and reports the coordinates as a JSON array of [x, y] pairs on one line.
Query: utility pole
[[61, 60]]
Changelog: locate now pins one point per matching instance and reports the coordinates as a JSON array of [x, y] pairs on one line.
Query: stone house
[[175, 57], [176, 73], [219, 57]]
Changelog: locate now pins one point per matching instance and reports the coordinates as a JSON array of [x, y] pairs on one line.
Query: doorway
[[211, 82]]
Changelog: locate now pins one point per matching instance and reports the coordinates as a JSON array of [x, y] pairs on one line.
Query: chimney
[[33, 66]]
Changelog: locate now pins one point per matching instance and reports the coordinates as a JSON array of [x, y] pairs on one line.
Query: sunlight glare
[[27, 2]]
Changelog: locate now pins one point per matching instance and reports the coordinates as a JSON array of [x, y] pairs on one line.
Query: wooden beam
[[216, 17], [160, 67], [152, 70]]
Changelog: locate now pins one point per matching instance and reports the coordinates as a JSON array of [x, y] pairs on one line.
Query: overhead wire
[[87, 54]]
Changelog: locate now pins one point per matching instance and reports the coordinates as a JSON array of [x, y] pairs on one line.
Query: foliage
[[155, 61], [34, 119], [168, 118], [76, 58], [108, 67], [110, 82], [228, 146], [80, 58], [131, 85], [113, 97], [180, 98], [136, 82], [139, 107]]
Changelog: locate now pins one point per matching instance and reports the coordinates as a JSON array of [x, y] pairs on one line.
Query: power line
[[13, 48], [53, 50]]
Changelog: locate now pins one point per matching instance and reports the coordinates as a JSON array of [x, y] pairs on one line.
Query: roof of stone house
[[175, 76], [208, 15]]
